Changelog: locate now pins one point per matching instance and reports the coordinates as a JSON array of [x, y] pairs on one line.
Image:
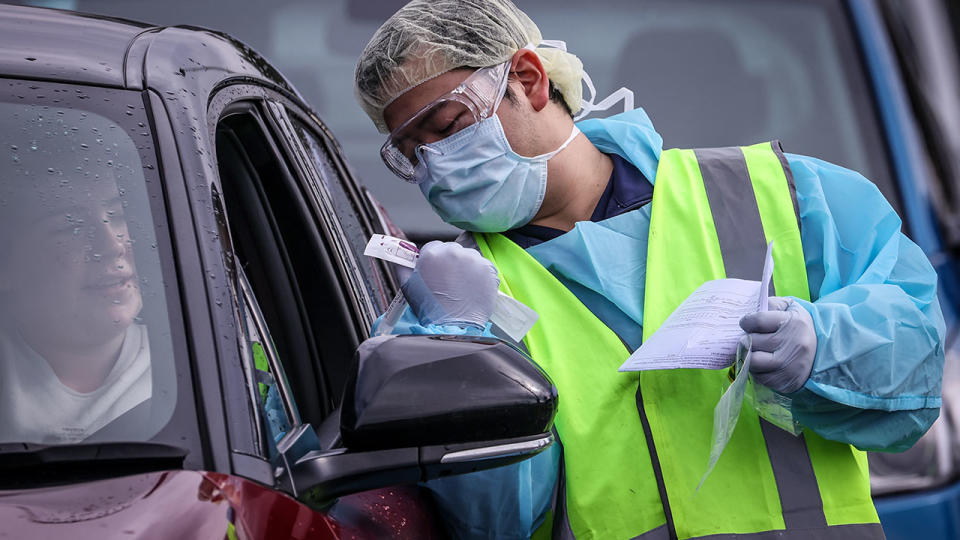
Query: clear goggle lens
[[462, 109], [441, 119]]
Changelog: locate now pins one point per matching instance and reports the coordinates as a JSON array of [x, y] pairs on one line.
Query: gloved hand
[[452, 284], [784, 345]]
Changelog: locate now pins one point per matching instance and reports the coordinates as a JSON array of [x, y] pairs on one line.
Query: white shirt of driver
[[36, 407]]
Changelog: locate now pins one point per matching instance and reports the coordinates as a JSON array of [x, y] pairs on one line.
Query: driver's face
[[70, 268]]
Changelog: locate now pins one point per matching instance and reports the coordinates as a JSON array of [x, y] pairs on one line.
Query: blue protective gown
[[876, 378]]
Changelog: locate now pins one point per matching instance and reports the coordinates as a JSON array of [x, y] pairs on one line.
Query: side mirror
[[422, 407]]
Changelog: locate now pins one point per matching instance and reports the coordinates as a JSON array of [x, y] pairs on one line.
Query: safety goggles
[[461, 109]]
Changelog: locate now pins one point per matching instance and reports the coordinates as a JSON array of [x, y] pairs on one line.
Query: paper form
[[704, 330]]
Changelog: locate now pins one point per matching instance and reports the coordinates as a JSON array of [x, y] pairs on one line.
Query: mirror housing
[[422, 407], [423, 390]]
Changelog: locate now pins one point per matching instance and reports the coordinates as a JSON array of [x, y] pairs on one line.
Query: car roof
[[50, 44], [66, 46]]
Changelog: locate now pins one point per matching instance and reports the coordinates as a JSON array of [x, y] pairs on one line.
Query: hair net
[[427, 38]]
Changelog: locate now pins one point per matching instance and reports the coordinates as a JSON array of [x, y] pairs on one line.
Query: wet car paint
[[196, 504]]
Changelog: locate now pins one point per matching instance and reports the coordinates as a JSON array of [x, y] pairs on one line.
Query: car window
[[349, 214], [269, 390], [85, 336], [286, 255]]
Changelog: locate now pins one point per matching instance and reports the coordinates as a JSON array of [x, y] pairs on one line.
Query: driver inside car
[[72, 357]]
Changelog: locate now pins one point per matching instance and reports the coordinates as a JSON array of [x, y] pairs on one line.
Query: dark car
[[184, 304]]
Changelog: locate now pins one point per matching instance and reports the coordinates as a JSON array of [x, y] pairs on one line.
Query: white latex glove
[[784, 345], [452, 284]]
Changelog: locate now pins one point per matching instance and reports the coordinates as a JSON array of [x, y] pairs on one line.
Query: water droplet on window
[[13, 147], [84, 146], [50, 170], [109, 163], [33, 145]]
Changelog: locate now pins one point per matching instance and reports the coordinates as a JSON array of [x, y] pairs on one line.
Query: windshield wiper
[[32, 465]]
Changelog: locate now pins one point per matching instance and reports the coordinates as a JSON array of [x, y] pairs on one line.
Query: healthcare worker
[[565, 218]]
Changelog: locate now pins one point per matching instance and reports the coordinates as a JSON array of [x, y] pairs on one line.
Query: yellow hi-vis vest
[[634, 450]]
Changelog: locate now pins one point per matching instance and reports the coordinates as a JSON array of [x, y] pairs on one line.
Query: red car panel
[[191, 504]]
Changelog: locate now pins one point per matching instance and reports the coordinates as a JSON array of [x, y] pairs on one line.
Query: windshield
[[86, 353]]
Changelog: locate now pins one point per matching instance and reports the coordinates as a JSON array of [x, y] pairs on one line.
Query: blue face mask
[[476, 182]]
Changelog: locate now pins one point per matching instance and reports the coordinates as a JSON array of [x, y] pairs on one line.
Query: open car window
[[281, 245], [274, 407]]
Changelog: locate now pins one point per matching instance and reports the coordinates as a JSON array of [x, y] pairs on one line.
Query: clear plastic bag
[[773, 407]]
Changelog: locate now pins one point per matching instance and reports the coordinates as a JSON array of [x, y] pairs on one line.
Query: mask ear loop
[[588, 106]]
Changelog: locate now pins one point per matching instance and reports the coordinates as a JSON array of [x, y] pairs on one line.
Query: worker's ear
[[527, 68]]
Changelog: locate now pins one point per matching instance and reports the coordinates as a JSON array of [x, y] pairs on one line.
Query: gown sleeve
[[876, 377]]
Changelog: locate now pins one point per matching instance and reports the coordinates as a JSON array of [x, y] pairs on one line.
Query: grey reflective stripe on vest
[[743, 246], [734, 208], [796, 482], [660, 533], [858, 531]]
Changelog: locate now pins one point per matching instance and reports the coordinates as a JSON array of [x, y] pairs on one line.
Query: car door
[[293, 260], [307, 295]]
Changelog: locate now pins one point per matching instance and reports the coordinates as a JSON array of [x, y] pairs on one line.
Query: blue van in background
[[868, 84], [916, 70]]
